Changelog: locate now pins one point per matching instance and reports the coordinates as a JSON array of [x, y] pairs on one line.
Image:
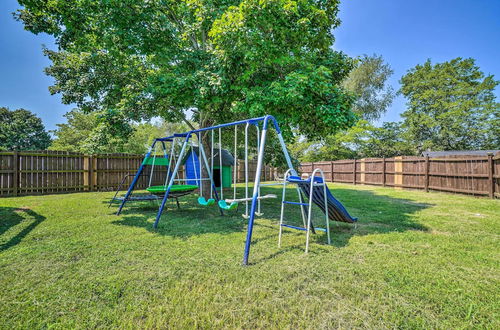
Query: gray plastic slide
[[336, 211]]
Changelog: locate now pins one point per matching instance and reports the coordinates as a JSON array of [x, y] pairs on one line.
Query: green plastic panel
[[227, 176], [174, 188], [155, 161]]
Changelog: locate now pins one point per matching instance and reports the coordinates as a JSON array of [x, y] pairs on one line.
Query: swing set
[[314, 188]]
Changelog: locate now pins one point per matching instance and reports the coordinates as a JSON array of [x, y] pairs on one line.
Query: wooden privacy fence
[[49, 172], [268, 172], [466, 175]]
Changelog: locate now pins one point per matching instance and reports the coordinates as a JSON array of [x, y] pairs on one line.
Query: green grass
[[415, 260]]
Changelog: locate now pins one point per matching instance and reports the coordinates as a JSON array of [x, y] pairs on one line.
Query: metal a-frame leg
[[134, 181], [171, 182], [256, 187]]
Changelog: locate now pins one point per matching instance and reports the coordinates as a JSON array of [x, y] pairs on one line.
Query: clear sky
[[405, 33]]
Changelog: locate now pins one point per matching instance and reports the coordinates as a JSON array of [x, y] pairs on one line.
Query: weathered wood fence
[[49, 172], [466, 175]]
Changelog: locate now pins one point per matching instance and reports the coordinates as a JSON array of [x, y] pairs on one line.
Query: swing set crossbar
[[253, 121]]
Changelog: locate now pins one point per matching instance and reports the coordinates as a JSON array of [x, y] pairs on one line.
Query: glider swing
[[229, 204]]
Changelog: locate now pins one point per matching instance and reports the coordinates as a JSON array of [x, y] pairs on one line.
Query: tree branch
[[182, 117]]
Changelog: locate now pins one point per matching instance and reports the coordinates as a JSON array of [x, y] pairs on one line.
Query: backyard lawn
[[414, 260]]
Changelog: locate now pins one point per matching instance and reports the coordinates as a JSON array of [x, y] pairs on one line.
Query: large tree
[[451, 106], [368, 81], [22, 130], [218, 59]]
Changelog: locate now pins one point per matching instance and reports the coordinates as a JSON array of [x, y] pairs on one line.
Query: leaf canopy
[[216, 59]]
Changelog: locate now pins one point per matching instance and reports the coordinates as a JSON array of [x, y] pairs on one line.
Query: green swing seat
[[204, 202], [225, 206]]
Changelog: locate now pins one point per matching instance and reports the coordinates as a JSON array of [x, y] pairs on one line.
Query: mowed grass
[[415, 260]]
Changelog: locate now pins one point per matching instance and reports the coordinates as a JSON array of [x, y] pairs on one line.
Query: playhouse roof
[[227, 158]]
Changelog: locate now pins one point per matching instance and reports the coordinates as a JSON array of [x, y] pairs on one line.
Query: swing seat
[[223, 205], [204, 202]]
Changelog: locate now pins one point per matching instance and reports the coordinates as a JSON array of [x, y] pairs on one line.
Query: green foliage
[[361, 141], [368, 81], [220, 60], [389, 140], [451, 106], [343, 145], [22, 130], [99, 133]]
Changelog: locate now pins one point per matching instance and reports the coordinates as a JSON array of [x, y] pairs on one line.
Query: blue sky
[[405, 33]]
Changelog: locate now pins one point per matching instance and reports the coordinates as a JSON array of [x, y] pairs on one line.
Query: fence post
[[383, 171], [15, 178], [331, 170], [363, 170], [491, 169], [240, 172], [398, 172], [354, 171], [426, 182], [86, 174], [92, 163]]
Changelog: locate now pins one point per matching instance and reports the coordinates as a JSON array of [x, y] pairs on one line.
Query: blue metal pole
[[136, 177], [255, 191], [256, 187], [251, 121]]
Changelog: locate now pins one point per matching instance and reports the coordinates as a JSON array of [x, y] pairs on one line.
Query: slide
[[336, 211]]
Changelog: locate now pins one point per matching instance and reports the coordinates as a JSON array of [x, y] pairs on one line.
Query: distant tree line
[[450, 106]]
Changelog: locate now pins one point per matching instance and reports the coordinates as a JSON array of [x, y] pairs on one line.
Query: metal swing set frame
[[265, 122], [314, 188]]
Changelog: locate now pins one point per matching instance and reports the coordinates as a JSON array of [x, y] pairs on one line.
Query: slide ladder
[[316, 189]]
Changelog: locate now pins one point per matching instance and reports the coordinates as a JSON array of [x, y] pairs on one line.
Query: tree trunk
[[206, 140]]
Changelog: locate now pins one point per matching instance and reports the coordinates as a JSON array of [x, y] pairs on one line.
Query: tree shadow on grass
[[11, 217], [377, 214]]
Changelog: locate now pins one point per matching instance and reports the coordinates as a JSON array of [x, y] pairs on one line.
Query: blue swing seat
[[223, 205], [204, 202]]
